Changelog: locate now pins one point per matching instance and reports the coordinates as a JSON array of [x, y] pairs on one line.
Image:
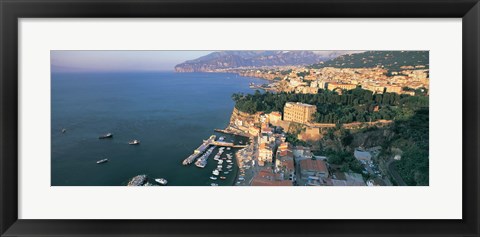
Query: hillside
[[249, 58], [391, 60]]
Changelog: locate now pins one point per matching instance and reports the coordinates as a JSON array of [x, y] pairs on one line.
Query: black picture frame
[[11, 11]]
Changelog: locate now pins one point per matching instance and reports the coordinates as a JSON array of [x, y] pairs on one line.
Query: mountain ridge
[[250, 58]]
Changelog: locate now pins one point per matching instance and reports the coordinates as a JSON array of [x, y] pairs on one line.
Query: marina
[[205, 145]]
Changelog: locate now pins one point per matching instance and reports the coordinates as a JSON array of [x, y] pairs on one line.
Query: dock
[[207, 143]]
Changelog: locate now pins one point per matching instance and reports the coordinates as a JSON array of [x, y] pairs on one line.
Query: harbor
[[218, 157], [205, 145]]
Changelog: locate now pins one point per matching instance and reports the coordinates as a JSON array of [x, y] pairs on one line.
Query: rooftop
[[316, 165]]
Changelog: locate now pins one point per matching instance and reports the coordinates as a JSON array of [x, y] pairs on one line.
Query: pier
[[206, 143]]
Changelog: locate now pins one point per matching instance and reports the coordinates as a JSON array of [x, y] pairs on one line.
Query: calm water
[[170, 113]]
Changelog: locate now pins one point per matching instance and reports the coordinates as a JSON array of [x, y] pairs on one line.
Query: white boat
[[229, 148], [102, 161], [215, 172], [220, 162], [213, 184], [134, 142], [161, 181], [213, 178], [226, 172]]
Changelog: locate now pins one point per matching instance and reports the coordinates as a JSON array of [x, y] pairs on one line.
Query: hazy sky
[[104, 61]]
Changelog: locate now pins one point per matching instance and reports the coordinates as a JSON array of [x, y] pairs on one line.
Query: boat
[[134, 142], [161, 181], [102, 161], [147, 184], [64, 130], [223, 177], [221, 138], [213, 184], [213, 178], [220, 162], [138, 180], [108, 135], [215, 172], [226, 172], [229, 148]]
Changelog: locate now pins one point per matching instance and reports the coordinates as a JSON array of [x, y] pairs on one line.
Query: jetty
[[207, 143]]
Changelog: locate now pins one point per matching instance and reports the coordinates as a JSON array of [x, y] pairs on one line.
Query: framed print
[[239, 118]]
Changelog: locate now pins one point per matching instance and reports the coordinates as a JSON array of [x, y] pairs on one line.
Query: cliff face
[[243, 120], [235, 59]]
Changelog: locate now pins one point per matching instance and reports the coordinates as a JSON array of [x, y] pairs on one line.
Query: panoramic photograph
[[239, 118]]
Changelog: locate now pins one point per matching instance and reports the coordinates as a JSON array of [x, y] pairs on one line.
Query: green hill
[[391, 60]]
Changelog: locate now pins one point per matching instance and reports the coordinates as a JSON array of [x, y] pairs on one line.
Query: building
[[298, 112], [332, 86], [266, 177], [254, 131], [274, 117], [265, 153], [310, 167], [362, 155]]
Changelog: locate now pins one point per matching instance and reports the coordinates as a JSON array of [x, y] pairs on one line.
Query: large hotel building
[[298, 112]]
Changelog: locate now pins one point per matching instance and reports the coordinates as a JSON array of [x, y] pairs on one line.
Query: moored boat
[[213, 178]]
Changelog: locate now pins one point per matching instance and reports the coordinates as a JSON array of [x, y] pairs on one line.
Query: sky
[[106, 61]]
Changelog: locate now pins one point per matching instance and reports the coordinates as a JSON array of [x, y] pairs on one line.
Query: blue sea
[[170, 113]]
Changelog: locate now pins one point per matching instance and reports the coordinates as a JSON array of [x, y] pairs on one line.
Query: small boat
[[226, 172], [228, 148], [161, 181], [213, 184], [108, 135], [213, 178], [215, 172], [134, 142], [64, 130], [223, 177], [102, 161]]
